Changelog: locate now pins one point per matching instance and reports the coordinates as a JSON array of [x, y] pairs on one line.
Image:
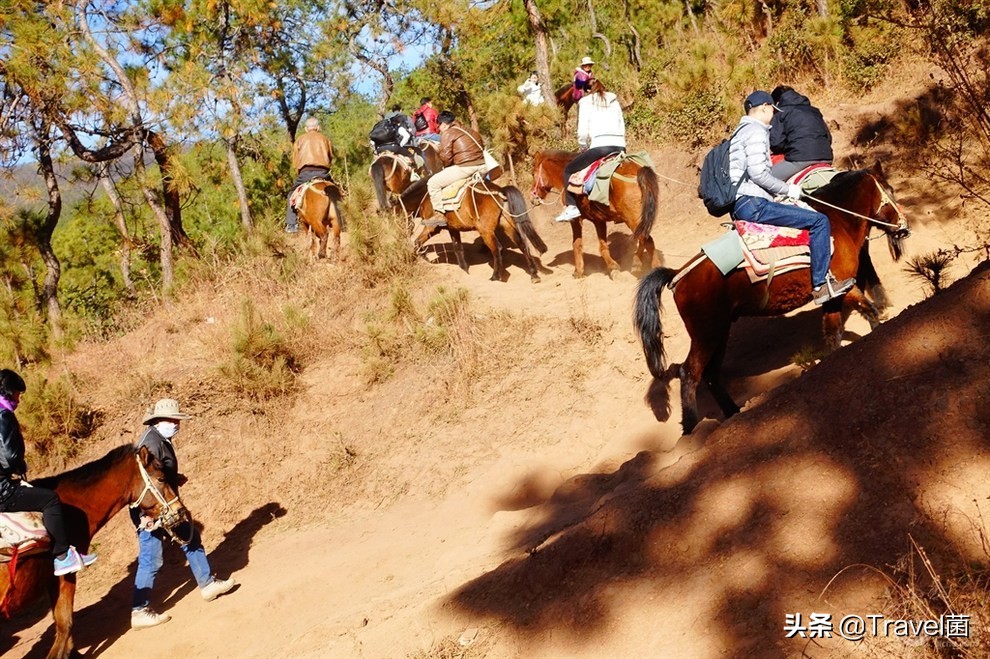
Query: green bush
[[262, 363], [53, 419]]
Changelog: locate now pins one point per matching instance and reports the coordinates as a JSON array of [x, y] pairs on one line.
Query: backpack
[[420, 122], [384, 132], [716, 188]]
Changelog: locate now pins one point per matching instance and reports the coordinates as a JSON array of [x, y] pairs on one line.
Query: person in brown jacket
[[312, 155], [462, 156]]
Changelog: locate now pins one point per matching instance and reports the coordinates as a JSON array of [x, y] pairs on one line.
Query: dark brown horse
[[90, 495], [632, 200], [708, 302], [319, 209], [565, 101], [391, 173], [486, 207]]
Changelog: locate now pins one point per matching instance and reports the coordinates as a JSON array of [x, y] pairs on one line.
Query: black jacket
[[799, 131], [11, 454], [162, 449]]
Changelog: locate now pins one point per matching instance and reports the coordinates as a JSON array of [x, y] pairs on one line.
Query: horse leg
[[601, 228], [455, 237], [856, 300], [578, 246], [495, 247], [61, 593], [424, 235], [649, 258], [713, 378], [832, 324]]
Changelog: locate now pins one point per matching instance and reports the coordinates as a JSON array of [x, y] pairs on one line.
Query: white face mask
[[167, 429]]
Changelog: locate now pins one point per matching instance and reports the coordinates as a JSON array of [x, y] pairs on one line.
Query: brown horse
[[708, 302], [90, 495], [565, 101], [390, 173], [486, 207], [632, 199], [319, 209]]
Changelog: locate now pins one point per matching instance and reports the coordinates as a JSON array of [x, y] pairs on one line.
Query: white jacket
[[749, 152], [531, 92], [600, 122]]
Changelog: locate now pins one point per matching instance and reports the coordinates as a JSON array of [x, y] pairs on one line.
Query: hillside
[[520, 498]]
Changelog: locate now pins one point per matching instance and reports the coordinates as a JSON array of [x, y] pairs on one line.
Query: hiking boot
[[145, 617], [437, 220], [831, 289], [569, 213], [68, 564], [216, 588]]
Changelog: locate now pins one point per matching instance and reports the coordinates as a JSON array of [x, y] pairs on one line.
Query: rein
[[885, 200], [169, 517]]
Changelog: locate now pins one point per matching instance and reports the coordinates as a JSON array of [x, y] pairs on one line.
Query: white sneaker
[[569, 213], [216, 588], [144, 618]]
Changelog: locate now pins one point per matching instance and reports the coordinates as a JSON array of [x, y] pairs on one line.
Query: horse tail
[[520, 215], [378, 176], [649, 190], [646, 318], [333, 193]]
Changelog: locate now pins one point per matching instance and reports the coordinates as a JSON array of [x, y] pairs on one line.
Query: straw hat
[[587, 60], [166, 408]]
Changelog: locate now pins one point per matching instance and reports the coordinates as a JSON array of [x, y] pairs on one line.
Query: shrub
[[53, 419], [262, 363]]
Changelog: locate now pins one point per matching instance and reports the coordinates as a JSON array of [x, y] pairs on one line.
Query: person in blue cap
[[749, 161]]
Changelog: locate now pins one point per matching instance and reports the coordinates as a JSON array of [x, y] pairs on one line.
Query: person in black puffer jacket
[[16, 495], [799, 132]]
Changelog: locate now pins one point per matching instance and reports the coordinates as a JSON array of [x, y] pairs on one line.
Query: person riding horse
[[601, 132], [462, 156], [312, 155], [799, 133]]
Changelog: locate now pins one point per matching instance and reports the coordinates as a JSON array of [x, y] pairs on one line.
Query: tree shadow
[[102, 623], [781, 502]]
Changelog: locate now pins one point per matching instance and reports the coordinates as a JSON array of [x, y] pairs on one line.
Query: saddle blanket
[[761, 250], [595, 180], [453, 194], [295, 199], [814, 177], [22, 534]]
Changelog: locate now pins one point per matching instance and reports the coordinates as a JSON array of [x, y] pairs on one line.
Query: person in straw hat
[[163, 423], [583, 77]]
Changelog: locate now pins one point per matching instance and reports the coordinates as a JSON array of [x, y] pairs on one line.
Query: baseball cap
[[757, 98]]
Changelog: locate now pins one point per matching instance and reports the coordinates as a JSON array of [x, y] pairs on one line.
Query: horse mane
[[413, 196], [90, 471], [837, 186], [558, 156]]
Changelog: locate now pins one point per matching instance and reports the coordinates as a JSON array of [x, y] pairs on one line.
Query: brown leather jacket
[[312, 148], [461, 146]]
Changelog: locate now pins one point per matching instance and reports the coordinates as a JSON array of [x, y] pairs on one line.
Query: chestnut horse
[[392, 174], [90, 495], [708, 302], [485, 208], [565, 101], [319, 209], [632, 198]]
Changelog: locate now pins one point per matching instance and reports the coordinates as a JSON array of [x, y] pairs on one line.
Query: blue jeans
[[763, 211], [150, 561]]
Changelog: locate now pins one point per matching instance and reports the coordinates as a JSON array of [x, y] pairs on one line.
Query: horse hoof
[[535, 279]]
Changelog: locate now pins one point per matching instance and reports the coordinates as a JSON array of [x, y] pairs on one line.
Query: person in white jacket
[[601, 132], [530, 90]]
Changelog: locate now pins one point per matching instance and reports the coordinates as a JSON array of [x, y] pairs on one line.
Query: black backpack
[[716, 187], [421, 123], [384, 132]]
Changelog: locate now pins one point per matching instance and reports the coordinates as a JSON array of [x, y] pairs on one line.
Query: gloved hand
[[794, 191]]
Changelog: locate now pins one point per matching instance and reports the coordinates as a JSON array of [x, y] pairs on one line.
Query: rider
[[312, 155], [799, 132], [583, 77], [404, 130], [601, 132], [749, 161], [16, 495], [163, 424], [462, 155], [429, 114]]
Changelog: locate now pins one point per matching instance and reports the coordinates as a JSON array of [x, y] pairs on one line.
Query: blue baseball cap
[[758, 98]]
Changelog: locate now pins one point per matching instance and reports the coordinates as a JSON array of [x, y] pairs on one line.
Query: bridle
[[169, 516], [901, 229]]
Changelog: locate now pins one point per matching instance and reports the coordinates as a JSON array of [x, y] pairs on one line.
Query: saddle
[[770, 249], [814, 177], [22, 534], [453, 194], [595, 180], [582, 181], [398, 160], [295, 200]]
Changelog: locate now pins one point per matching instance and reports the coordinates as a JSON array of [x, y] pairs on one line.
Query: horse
[[565, 101], [708, 302], [319, 209], [485, 207], [391, 174], [632, 197], [90, 495]]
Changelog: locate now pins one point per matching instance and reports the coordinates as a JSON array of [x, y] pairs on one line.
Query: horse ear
[[877, 169], [145, 455]]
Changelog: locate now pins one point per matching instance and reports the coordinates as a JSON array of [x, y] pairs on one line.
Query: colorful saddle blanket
[[22, 534], [297, 195], [582, 181], [767, 249], [453, 194]]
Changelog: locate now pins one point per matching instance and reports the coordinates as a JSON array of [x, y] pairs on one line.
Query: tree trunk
[[539, 30], [235, 173], [290, 115], [822, 8], [170, 194], [53, 268], [121, 224]]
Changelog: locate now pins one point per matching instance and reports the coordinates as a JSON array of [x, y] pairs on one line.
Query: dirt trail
[[575, 523]]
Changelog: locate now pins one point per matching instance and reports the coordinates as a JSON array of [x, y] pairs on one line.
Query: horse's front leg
[[455, 238], [855, 300], [62, 593], [601, 228], [419, 244], [495, 247], [832, 324], [578, 246]]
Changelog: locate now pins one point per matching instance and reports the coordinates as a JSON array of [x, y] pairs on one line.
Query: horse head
[[888, 214], [548, 173], [541, 187], [154, 496]]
